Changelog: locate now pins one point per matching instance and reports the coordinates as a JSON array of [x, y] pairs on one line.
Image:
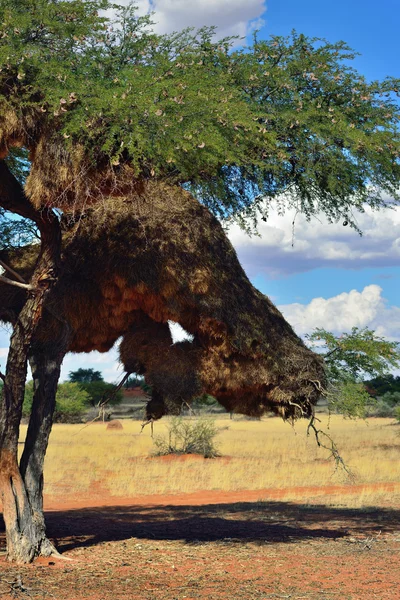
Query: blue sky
[[371, 28], [331, 277]]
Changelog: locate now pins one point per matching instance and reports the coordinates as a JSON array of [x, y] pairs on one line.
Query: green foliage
[[349, 358], [71, 401], [381, 385], [98, 391], [85, 376], [15, 232], [133, 381], [287, 114], [204, 401], [188, 437], [387, 405]]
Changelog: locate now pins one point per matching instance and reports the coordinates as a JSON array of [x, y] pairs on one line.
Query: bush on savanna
[[187, 436], [71, 402], [387, 405]]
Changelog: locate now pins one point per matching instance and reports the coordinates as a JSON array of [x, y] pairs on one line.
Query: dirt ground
[[213, 546]]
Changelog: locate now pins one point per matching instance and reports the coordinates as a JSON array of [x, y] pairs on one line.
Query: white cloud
[[342, 312], [106, 362], [319, 243], [231, 17]]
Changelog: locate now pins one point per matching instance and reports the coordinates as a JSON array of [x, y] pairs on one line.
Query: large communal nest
[[62, 175], [133, 263]]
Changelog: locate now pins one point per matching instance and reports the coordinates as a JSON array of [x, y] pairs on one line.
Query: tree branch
[[24, 286], [10, 270], [12, 196]]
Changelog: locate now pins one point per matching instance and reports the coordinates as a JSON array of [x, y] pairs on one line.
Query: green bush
[[188, 437], [387, 405], [71, 402]]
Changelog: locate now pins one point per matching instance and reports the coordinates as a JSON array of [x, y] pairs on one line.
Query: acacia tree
[[95, 106], [349, 359]]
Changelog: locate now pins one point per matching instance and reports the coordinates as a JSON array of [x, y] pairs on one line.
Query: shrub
[[71, 402], [387, 405], [188, 437]]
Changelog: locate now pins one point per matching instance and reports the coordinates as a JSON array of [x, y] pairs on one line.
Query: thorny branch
[[333, 449], [106, 399]]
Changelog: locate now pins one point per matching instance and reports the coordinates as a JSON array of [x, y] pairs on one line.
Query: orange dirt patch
[[214, 546], [98, 496]]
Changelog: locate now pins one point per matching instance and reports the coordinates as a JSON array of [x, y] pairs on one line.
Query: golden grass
[[255, 455]]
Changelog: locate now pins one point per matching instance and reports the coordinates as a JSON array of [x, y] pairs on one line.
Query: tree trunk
[[25, 536], [45, 365]]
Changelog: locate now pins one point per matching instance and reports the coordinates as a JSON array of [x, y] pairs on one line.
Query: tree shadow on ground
[[257, 522]]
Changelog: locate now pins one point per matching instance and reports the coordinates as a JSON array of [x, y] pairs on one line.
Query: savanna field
[[271, 517], [254, 455]]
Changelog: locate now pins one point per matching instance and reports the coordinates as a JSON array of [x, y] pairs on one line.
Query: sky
[[324, 275]]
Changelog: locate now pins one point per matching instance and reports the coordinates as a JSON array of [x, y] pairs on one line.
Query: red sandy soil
[[214, 545], [136, 392]]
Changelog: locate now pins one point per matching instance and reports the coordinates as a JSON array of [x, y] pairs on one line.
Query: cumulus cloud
[[342, 312], [231, 17], [284, 250], [106, 362]]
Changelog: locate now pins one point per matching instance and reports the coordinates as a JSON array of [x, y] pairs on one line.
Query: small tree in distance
[[350, 358], [85, 376], [97, 390]]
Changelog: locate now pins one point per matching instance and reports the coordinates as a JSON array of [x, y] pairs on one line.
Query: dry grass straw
[[255, 455]]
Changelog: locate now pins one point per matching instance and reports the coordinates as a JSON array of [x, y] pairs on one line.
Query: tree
[[379, 386], [97, 390], [100, 391], [102, 106], [349, 359], [133, 381], [85, 376]]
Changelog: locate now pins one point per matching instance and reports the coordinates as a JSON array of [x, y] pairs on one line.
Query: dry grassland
[[255, 455]]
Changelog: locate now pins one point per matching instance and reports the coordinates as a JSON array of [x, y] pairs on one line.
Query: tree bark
[[25, 536], [45, 365]]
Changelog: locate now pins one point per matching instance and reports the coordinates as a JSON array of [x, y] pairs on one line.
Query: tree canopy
[[101, 102], [349, 359], [85, 376]]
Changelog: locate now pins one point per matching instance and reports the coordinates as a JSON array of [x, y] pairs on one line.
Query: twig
[[333, 449], [149, 422], [105, 401], [10, 270]]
